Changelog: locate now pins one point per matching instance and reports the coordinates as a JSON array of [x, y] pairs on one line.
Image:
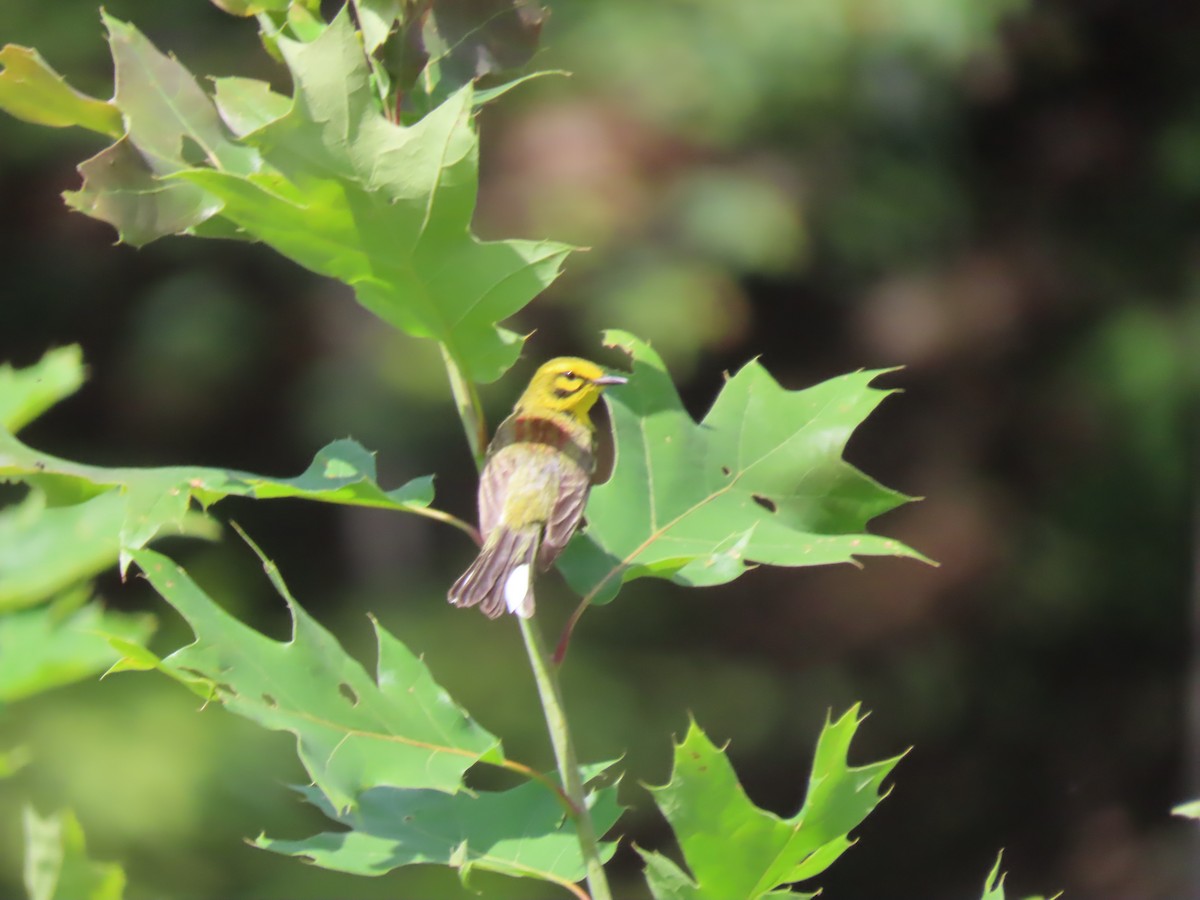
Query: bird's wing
[[493, 488], [568, 510]]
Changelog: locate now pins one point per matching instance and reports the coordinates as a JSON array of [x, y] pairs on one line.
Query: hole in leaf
[[270, 701], [765, 502], [193, 154], [348, 692]]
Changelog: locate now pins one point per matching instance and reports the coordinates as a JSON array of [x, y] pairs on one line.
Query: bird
[[535, 482]]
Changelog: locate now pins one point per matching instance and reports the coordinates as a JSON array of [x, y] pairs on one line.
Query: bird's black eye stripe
[[567, 383]]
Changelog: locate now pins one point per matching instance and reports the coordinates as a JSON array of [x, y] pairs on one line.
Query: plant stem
[[546, 677], [466, 400]]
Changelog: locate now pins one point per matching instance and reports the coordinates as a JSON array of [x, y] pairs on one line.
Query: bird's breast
[[535, 478]]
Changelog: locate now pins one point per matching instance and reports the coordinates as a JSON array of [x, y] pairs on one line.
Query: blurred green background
[[999, 196]]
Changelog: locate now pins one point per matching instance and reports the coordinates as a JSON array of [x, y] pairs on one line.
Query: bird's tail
[[502, 575]]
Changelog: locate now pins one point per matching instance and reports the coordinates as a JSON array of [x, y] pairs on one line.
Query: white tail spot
[[517, 595]]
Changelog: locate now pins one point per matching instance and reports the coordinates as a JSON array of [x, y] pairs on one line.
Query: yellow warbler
[[534, 485]]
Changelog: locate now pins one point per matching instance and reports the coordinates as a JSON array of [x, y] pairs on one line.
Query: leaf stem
[[546, 677], [564, 640], [466, 400], [446, 518]]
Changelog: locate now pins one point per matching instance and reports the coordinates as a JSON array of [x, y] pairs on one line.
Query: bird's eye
[[570, 375]]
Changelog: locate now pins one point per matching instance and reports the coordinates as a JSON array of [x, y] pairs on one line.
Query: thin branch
[[466, 400], [550, 694]]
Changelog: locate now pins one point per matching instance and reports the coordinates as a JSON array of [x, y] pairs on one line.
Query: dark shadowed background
[[1000, 197]]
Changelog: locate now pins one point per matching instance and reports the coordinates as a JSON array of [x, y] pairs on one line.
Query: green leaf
[[445, 45], [384, 207], [707, 809], [325, 178], [171, 124], [469, 41], [168, 116], [247, 104], [32, 91], [993, 885], [1190, 810], [44, 550], [60, 643], [521, 832], [150, 501], [352, 731], [377, 19], [760, 480], [248, 8], [14, 760], [57, 866], [27, 393]]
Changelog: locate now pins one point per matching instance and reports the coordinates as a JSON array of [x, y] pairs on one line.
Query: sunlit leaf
[[60, 643], [352, 731], [150, 501], [171, 124], [707, 810], [993, 886], [57, 866], [383, 207], [760, 480], [376, 19], [170, 119], [251, 7], [326, 178], [27, 393], [522, 832], [1190, 810], [247, 104], [32, 91]]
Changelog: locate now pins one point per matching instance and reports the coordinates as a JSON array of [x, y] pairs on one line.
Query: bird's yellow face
[[565, 385]]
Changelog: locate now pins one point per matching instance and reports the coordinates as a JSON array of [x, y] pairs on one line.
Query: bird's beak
[[610, 379]]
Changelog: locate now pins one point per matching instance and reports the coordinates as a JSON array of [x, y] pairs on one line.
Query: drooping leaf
[[57, 866], [760, 480], [62, 642], [384, 207], [522, 832], [168, 116], [171, 124], [149, 501], [352, 731], [27, 393], [32, 91], [46, 549], [737, 851]]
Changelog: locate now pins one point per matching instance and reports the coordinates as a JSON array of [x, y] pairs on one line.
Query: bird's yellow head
[[565, 385]]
